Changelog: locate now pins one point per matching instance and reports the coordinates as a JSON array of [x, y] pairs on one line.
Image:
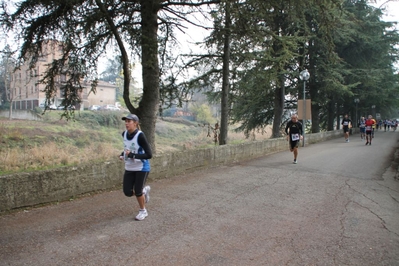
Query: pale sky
[[392, 9], [392, 14]]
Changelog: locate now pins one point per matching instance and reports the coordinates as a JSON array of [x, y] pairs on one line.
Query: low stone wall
[[29, 189], [21, 114]]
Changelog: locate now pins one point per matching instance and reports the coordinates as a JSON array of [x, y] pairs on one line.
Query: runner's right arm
[[287, 127]]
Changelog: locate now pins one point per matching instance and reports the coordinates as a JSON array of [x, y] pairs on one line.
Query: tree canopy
[[86, 28], [250, 62], [347, 48]]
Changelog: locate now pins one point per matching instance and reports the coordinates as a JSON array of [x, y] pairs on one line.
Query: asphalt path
[[338, 206]]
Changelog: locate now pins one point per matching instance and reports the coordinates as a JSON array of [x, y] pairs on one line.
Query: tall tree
[[262, 41], [319, 56], [85, 29], [225, 106], [369, 50], [112, 70], [6, 70], [267, 55], [215, 64], [266, 38]]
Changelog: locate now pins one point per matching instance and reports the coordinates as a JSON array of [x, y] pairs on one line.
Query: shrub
[[203, 114]]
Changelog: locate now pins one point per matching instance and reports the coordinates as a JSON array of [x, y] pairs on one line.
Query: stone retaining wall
[[21, 114], [29, 189]]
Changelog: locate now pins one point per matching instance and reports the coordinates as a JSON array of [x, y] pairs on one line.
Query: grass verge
[[91, 137]]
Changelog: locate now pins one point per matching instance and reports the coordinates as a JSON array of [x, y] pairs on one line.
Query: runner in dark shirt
[[294, 135], [347, 124]]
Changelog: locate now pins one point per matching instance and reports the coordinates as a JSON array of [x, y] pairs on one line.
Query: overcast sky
[[392, 9], [391, 6]]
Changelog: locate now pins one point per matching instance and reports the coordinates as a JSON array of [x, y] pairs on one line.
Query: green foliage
[[112, 70], [349, 51], [368, 47], [102, 118], [168, 112], [38, 110], [253, 102], [203, 114], [5, 106], [86, 29]]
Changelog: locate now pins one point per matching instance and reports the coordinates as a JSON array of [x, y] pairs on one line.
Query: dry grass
[[51, 155], [33, 145]]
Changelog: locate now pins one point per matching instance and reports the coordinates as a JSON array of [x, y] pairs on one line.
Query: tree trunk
[[150, 69], [330, 116], [10, 113], [279, 96], [338, 118], [315, 118], [7, 89], [225, 80]]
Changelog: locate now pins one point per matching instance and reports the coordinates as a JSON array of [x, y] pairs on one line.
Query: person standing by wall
[[294, 135], [136, 155], [347, 124]]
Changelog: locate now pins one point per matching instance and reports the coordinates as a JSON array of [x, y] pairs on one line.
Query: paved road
[[338, 206]]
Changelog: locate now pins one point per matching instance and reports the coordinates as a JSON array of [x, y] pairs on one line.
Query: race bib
[[295, 137], [368, 128], [346, 123]]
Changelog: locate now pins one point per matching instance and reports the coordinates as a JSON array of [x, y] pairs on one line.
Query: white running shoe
[[146, 191], [295, 161], [142, 214]]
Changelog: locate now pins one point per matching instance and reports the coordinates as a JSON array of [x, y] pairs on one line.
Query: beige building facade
[[27, 92], [105, 94]]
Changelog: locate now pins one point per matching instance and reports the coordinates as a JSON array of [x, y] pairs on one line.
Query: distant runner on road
[[347, 124], [294, 135], [369, 129], [362, 127]]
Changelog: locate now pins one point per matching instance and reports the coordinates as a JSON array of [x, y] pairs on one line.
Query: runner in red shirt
[[369, 129]]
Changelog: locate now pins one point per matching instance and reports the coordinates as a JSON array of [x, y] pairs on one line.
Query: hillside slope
[[34, 145]]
